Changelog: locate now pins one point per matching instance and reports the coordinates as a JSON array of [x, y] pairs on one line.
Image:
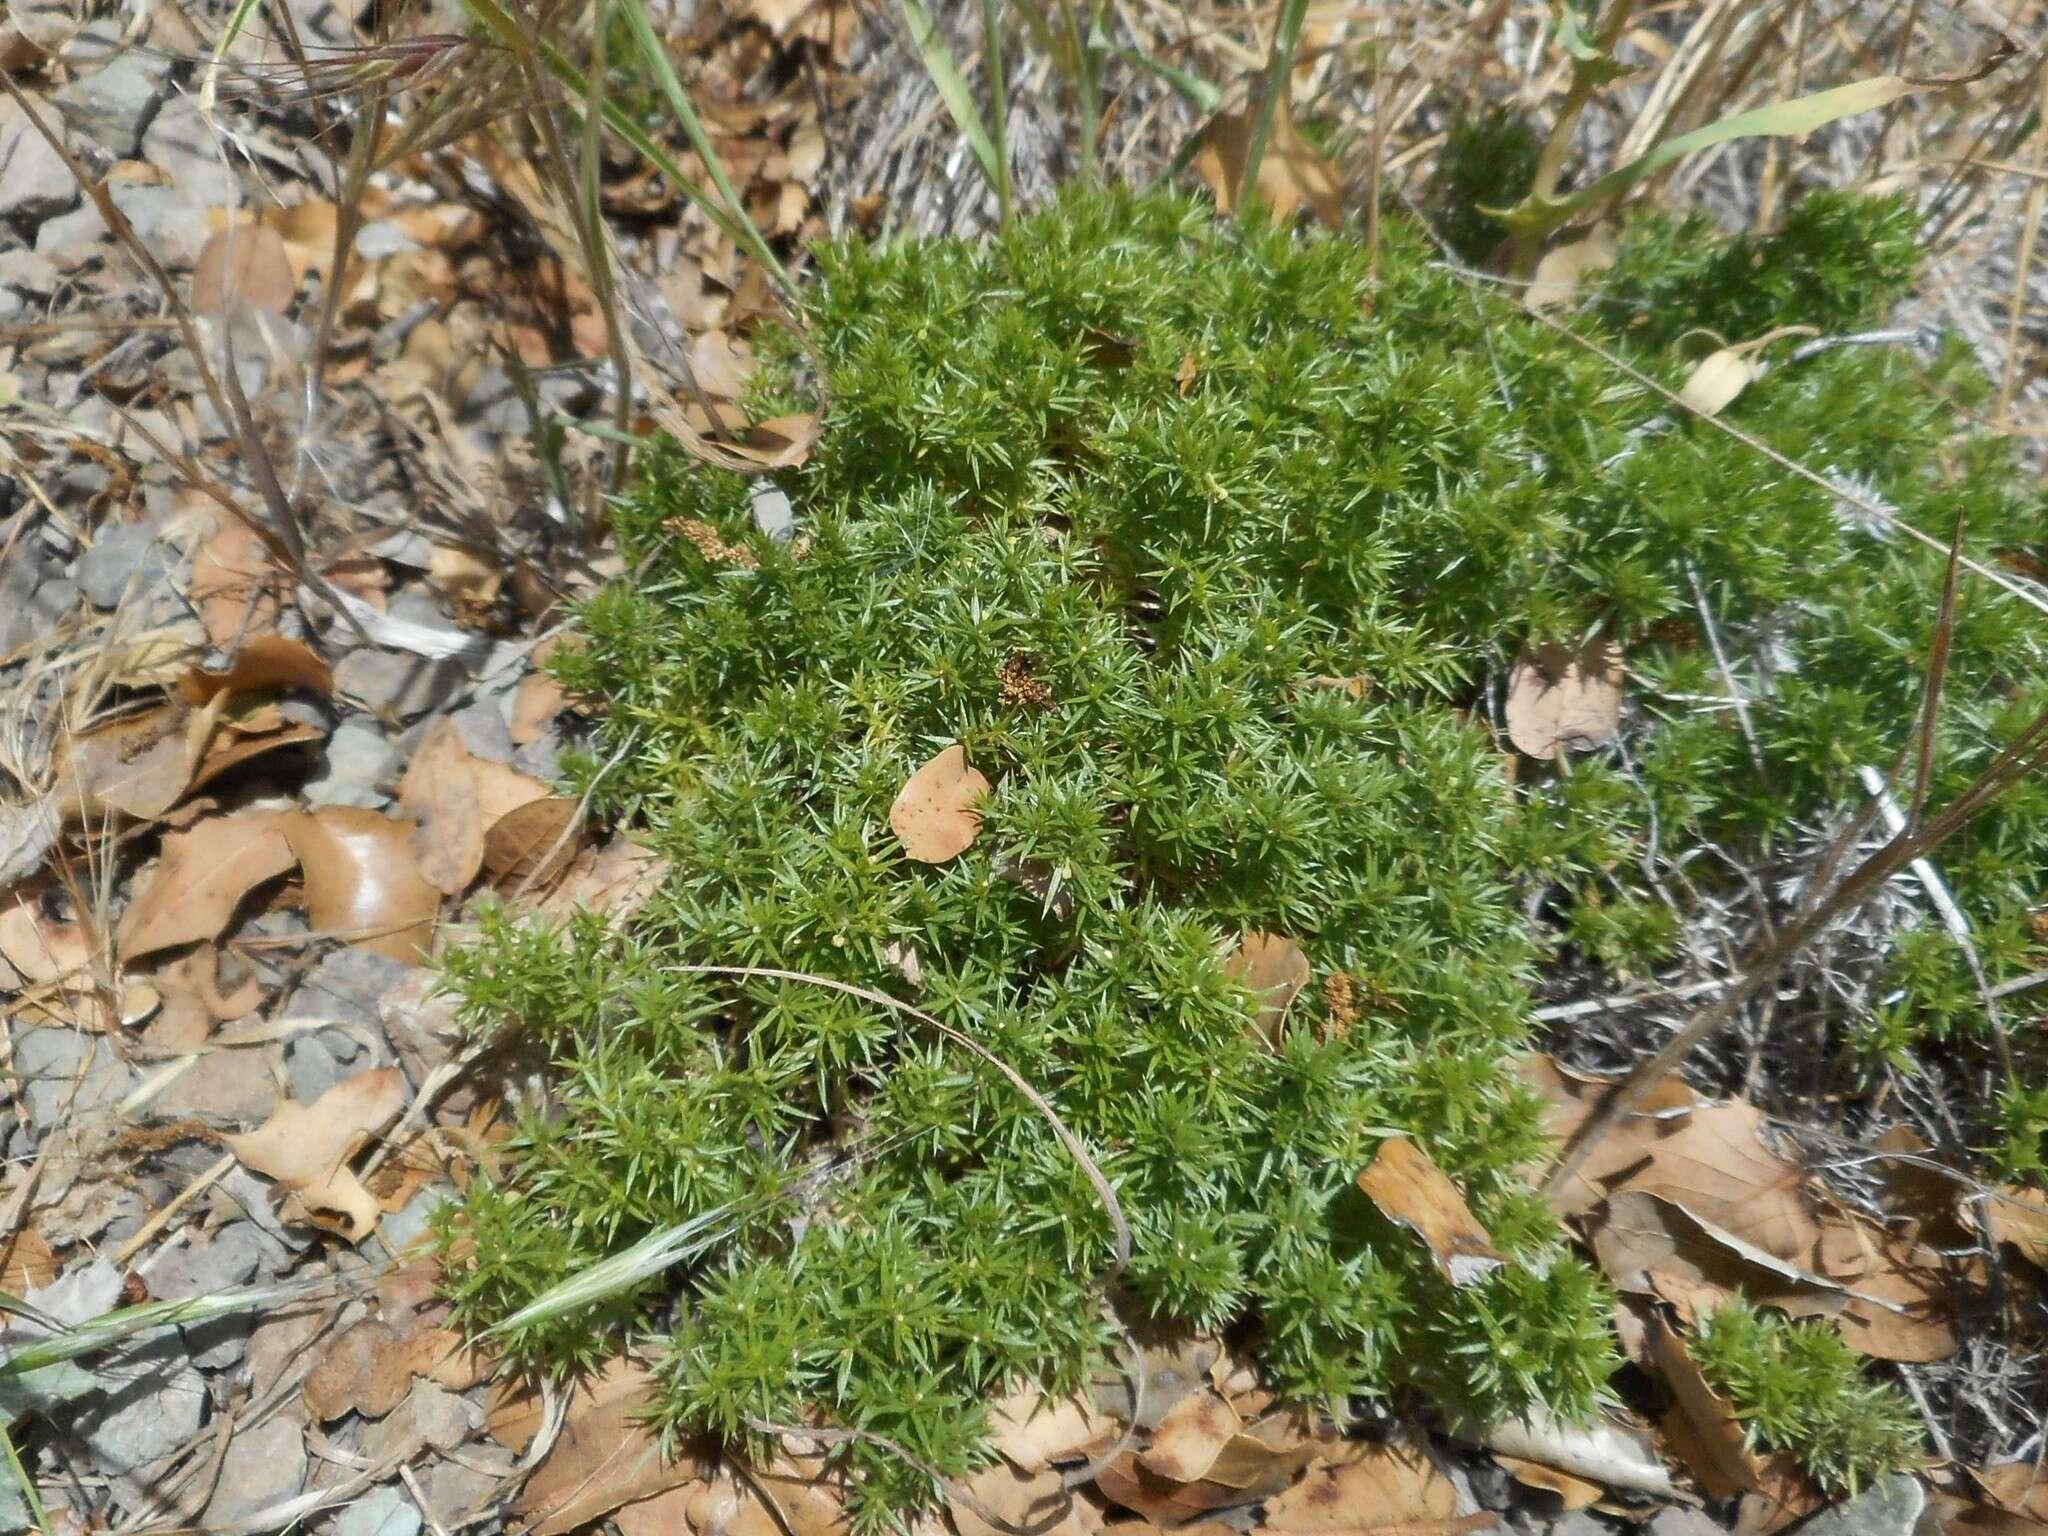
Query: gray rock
[[192, 1265], [1683, 1522], [1889, 1507], [361, 767], [398, 684], [457, 1492], [113, 104], [123, 553], [314, 1063], [383, 1511], [49, 1061], [264, 1466], [177, 143], [21, 572], [153, 1406], [34, 183], [347, 986], [484, 730]]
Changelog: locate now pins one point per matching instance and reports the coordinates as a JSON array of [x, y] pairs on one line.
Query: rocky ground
[[261, 771]]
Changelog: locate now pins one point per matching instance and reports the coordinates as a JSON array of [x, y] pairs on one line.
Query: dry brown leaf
[[606, 1455], [439, 793], [540, 698], [1564, 700], [1564, 267], [533, 843], [306, 1148], [262, 662], [243, 264], [137, 766], [43, 948], [27, 1262], [201, 880], [1033, 1433], [1038, 1502], [1573, 1492], [934, 816], [1958, 1517], [1703, 1430], [2019, 1218], [1649, 1245], [1411, 1191], [1293, 176], [1273, 969], [1717, 379], [370, 1368], [1390, 1488], [235, 584], [1190, 1437], [1901, 1292], [616, 876], [465, 576], [362, 883], [2018, 1487]]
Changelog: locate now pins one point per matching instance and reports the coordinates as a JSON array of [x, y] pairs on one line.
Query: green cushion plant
[[1207, 543]]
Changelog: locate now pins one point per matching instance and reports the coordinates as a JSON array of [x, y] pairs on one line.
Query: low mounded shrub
[[1122, 500]]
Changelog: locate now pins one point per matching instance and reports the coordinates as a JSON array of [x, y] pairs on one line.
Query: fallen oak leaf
[[261, 662], [243, 264], [202, 878], [533, 843], [1190, 1437], [1564, 700], [1705, 1431], [1293, 175], [1404, 1182], [1649, 1245], [362, 883], [933, 816], [1391, 1489], [1273, 969], [306, 1148]]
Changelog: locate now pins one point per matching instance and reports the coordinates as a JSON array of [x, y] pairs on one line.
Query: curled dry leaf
[[1719, 377], [203, 876], [243, 264], [1273, 969], [1564, 700], [1649, 1245], [362, 882], [1411, 1191], [261, 662], [1573, 1493], [1293, 175], [307, 1149], [934, 816]]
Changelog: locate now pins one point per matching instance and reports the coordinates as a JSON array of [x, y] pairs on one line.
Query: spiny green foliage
[[1183, 474], [1797, 1387]]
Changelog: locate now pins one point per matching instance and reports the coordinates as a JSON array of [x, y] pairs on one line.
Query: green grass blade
[[1780, 119], [952, 88], [1191, 88]]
